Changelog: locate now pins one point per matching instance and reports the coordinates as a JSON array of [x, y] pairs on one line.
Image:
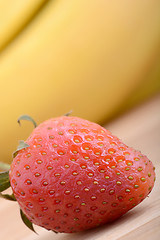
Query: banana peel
[[86, 56], [15, 16]]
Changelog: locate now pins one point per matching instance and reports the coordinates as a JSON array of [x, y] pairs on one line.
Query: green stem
[[28, 118], [4, 166]]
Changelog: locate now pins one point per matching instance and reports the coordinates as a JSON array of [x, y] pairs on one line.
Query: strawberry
[[73, 175]]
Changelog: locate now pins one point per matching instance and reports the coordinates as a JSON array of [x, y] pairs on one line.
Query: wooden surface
[[139, 128]]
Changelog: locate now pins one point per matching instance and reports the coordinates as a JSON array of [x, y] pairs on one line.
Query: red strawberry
[[75, 175]]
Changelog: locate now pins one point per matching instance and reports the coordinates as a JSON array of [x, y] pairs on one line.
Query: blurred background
[[97, 58]]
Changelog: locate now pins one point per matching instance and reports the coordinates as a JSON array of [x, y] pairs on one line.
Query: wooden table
[[139, 128]]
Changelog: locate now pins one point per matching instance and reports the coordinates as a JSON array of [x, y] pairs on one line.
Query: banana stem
[[4, 166]]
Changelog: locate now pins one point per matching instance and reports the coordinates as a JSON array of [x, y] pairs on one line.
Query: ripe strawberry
[[75, 175]]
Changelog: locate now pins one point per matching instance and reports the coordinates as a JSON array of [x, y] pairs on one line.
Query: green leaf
[[4, 181], [68, 113], [28, 118], [4, 166], [22, 145], [8, 197], [26, 221]]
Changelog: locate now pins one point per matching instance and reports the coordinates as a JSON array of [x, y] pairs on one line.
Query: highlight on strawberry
[[71, 175]]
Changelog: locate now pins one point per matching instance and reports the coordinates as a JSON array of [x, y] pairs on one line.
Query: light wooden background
[[139, 128]]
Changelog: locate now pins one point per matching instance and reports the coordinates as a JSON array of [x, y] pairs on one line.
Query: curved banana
[[14, 15]]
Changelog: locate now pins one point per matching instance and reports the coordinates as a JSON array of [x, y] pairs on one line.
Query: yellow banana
[[14, 15], [86, 56], [145, 89]]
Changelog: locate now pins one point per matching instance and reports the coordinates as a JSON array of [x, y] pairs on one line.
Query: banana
[[14, 15], [145, 89], [86, 56]]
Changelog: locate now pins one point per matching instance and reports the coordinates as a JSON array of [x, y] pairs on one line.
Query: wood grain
[[139, 128]]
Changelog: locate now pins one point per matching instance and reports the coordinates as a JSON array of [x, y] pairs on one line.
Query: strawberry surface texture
[[76, 175]]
